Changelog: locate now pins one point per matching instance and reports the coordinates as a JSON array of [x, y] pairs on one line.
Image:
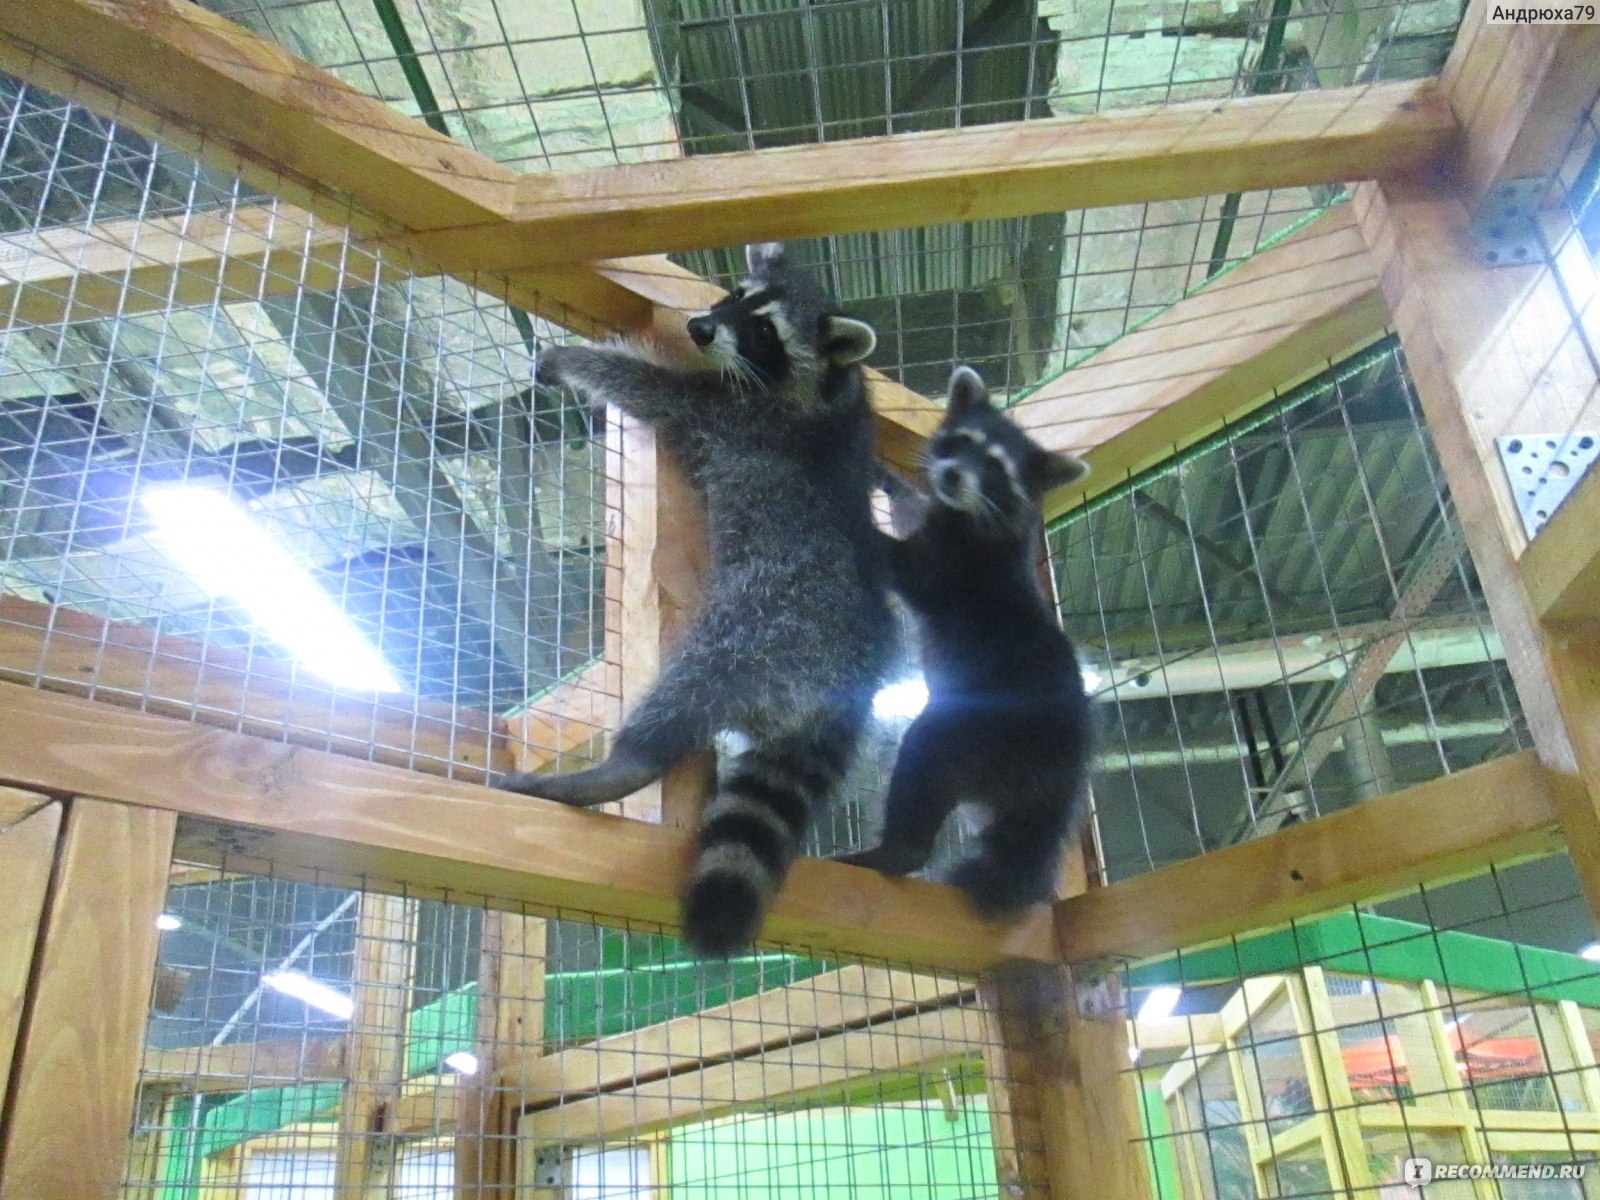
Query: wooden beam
[[66, 1132], [1494, 813], [785, 1071], [1522, 94], [240, 1065], [27, 854], [1020, 168], [1560, 569], [125, 664], [342, 820], [52, 276], [16, 805], [572, 715], [1247, 336], [830, 1003], [204, 85]]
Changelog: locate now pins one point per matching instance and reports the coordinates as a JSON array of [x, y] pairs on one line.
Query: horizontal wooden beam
[[1165, 152], [120, 663], [1560, 567], [1494, 813], [829, 1003], [241, 1065], [1247, 336], [785, 1071], [259, 804]]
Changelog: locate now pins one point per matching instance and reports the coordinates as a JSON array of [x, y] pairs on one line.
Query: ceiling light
[[1158, 1005], [166, 922], [1591, 952], [218, 545], [463, 1062], [901, 700], [308, 990]]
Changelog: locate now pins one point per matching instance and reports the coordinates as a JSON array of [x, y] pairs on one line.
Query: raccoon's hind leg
[[922, 791], [678, 716], [1015, 864], [752, 829]]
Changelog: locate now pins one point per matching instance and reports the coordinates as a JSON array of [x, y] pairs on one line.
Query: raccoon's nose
[[702, 330]]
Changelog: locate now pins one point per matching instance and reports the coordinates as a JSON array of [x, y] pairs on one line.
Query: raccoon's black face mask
[[981, 464], [777, 326]]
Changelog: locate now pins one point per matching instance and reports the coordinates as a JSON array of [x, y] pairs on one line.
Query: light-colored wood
[[828, 1003], [72, 1090], [52, 276], [585, 707], [27, 854], [984, 172], [1494, 813], [1561, 566], [1330, 1083], [1522, 93], [241, 1065], [126, 664], [1492, 351], [1244, 338], [342, 820], [380, 988], [17, 805], [789, 1070]]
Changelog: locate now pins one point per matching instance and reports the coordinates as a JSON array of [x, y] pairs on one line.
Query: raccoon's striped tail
[[750, 832]]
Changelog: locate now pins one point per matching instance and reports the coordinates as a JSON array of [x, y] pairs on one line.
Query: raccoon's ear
[[1051, 471], [846, 340], [967, 392], [763, 257]]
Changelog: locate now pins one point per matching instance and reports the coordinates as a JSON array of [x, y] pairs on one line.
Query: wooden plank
[[27, 854], [52, 276], [777, 1074], [121, 663], [1522, 94], [239, 1065], [374, 825], [1245, 337], [380, 989], [16, 804], [829, 1003], [1020, 168], [1492, 351], [1560, 569], [1490, 814], [72, 1095], [574, 714]]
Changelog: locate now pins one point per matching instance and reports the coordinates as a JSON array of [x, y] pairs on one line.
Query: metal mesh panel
[[1283, 622], [377, 428], [1453, 1024], [466, 1044]]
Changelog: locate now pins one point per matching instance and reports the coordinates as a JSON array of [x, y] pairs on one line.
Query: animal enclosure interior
[[296, 557]]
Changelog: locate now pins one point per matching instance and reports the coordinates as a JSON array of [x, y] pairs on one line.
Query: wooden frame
[[201, 84]]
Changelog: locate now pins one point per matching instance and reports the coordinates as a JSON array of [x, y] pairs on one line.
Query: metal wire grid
[[381, 428], [500, 1046], [1456, 1023], [1281, 623], [565, 84]]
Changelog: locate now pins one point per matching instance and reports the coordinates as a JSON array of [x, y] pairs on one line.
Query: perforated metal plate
[[1543, 468], [1505, 228]]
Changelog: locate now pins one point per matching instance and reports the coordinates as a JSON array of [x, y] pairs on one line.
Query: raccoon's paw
[[885, 859], [570, 788]]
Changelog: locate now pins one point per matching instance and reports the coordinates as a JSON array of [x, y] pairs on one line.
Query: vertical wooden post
[[511, 987], [82, 1040], [29, 826], [386, 929]]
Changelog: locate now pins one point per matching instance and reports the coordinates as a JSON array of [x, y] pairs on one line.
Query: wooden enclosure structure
[[99, 800]]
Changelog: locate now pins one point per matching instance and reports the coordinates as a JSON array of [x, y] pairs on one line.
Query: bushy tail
[[749, 834]]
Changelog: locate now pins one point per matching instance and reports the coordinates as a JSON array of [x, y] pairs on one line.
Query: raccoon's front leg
[[657, 395]]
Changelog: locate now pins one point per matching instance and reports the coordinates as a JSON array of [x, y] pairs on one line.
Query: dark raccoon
[[796, 631], [1008, 726]]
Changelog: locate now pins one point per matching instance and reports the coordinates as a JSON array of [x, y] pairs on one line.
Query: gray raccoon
[[1007, 726], [796, 632]]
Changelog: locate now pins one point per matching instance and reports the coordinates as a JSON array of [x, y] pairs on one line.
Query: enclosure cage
[[296, 558]]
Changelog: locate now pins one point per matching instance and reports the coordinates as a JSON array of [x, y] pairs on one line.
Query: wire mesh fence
[[1281, 623], [311, 1040], [1418, 1046]]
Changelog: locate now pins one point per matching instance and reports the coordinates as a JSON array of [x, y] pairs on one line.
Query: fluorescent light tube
[[1158, 1005], [308, 990]]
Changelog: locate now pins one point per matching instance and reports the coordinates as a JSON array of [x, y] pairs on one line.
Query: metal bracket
[[1505, 227], [1543, 468], [550, 1167]]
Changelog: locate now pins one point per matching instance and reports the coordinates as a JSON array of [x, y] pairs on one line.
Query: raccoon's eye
[[764, 327], [736, 294], [943, 445]]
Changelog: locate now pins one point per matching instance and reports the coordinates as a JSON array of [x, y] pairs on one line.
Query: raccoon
[[796, 630], [1007, 727]]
